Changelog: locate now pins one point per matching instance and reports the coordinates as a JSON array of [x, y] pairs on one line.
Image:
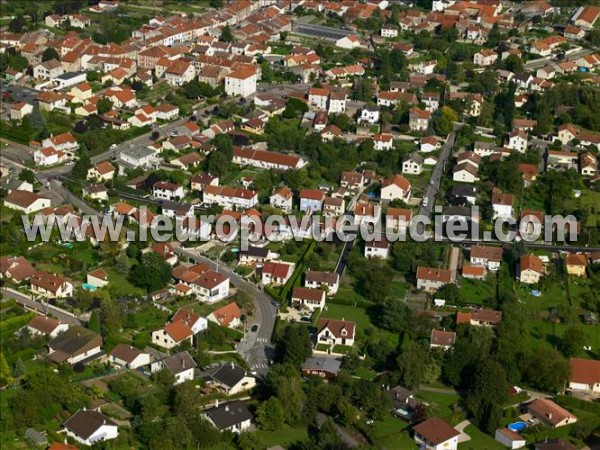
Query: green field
[[284, 436]]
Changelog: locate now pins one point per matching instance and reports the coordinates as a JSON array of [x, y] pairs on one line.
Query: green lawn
[[353, 313], [477, 292], [392, 433], [284, 436], [479, 440], [121, 284], [441, 405]]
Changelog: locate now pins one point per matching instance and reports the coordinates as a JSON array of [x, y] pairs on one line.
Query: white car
[[425, 201]]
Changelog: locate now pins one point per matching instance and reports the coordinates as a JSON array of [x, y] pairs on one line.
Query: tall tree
[[486, 396], [226, 34], [50, 53], [151, 273], [270, 414]]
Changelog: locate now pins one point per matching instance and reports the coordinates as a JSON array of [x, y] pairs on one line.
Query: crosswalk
[[262, 340], [259, 366]]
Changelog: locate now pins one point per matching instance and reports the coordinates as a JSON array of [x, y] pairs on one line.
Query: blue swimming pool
[[68, 245], [89, 287], [517, 426]]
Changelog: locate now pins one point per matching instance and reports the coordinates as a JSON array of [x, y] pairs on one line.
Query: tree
[[487, 394], [294, 346], [545, 369], [27, 175], [572, 341], [36, 119], [270, 415], [17, 24], [412, 364], [50, 53], [83, 164], [104, 105], [249, 441], [18, 62], [226, 34], [151, 273], [94, 322], [19, 370], [295, 108], [444, 123], [217, 163]]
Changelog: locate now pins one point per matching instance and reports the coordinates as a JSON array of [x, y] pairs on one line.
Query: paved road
[[57, 187], [436, 176], [42, 308], [256, 348], [541, 62]]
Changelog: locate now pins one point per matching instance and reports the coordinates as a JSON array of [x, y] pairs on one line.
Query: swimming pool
[[68, 245], [89, 287], [517, 426]]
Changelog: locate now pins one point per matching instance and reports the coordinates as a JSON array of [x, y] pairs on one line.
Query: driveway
[[463, 437]]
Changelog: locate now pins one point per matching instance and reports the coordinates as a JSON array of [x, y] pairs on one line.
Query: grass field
[[284, 436], [478, 292], [392, 433], [479, 440]]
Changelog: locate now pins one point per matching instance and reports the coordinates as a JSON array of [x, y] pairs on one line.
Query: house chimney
[[183, 363], [216, 403]]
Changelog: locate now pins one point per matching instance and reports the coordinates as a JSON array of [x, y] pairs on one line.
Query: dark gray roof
[[323, 363], [74, 341], [68, 75], [229, 375], [321, 277], [179, 362], [259, 252], [457, 211], [462, 190], [229, 414], [84, 423]]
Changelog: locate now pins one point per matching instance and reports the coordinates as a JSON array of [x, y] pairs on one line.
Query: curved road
[[256, 348]]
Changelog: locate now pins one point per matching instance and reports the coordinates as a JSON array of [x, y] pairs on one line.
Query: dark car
[[254, 328]]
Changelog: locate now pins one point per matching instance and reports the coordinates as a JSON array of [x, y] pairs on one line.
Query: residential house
[[48, 70], [389, 31], [181, 365], [412, 164], [97, 278], [419, 119], [485, 58], [550, 413], [383, 141], [369, 115], [50, 285], [241, 82], [431, 100], [436, 434], [479, 317], [90, 427], [442, 339], [588, 164], [201, 180], [311, 200], [487, 256], [263, 159], [336, 332], [502, 204], [531, 269], [377, 248], [64, 142], [517, 140], [227, 316], [15, 268], [230, 197], [180, 72], [334, 206], [231, 379], [349, 42], [46, 326], [283, 199], [199, 279], [101, 172], [510, 438], [474, 272], [277, 272], [25, 201], [430, 279], [586, 16], [325, 367], [328, 281], [352, 180], [74, 345], [48, 156], [128, 357], [395, 188], [166, 112], [19, 110], [167, 190], [184, 325], [465, 173], [585, 375], [429, 144], [307, 298], [576, 264], [233, 416], [397, 219]]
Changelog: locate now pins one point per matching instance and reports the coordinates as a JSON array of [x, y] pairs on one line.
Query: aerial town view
[[299, 224]]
